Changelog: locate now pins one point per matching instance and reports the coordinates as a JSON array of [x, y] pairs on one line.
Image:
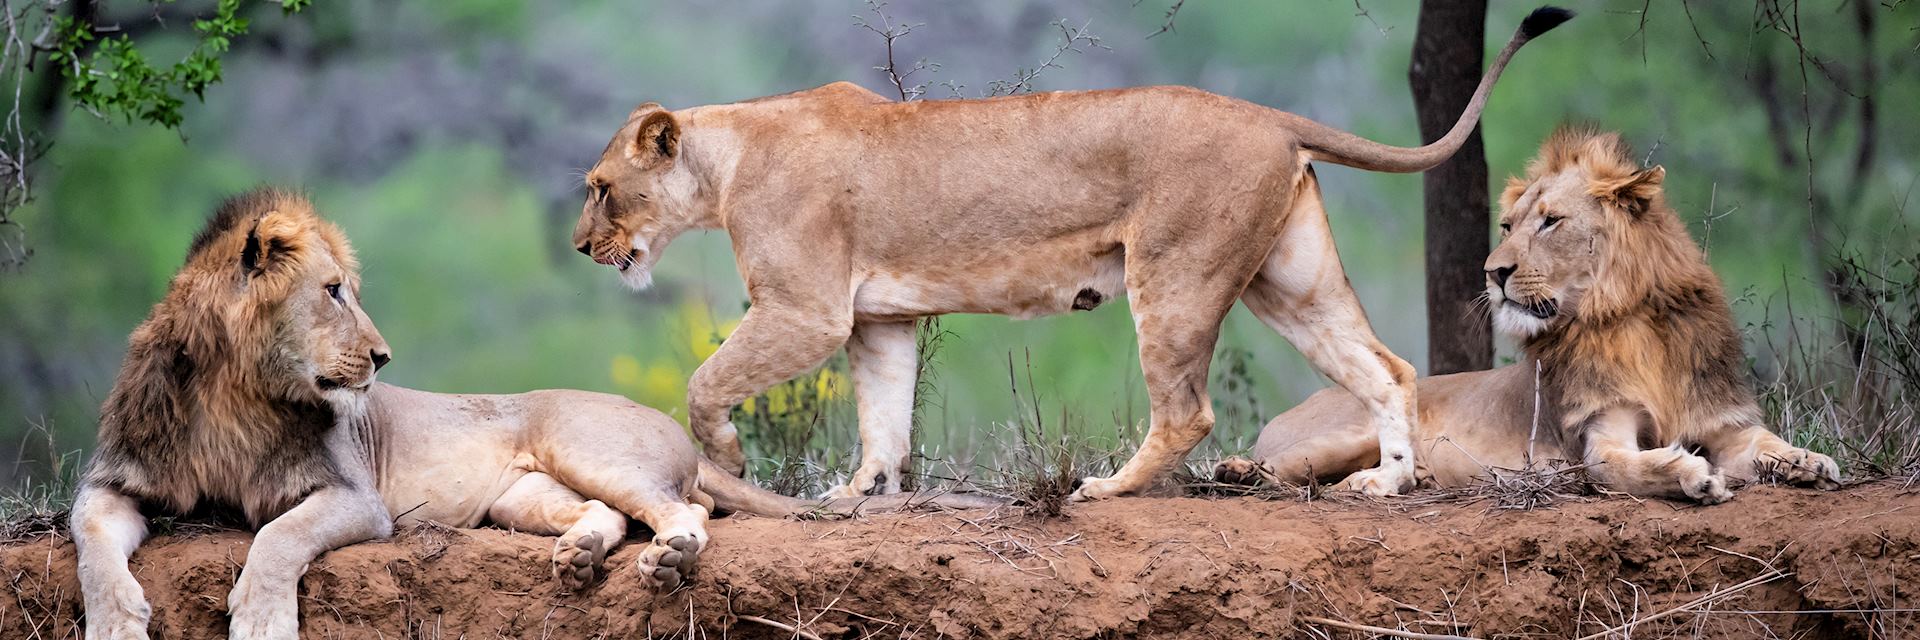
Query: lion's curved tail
[[734, 494], [1328, 144]]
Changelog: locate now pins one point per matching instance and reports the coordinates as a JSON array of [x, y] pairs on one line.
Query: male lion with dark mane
[[852, 216], [250, 388], [1640, 370]]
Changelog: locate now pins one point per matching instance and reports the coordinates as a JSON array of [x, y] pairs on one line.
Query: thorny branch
[[1071, 40], [1173, 12], [892, 33]]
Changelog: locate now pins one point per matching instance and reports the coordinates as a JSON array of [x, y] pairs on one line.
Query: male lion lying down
[[1640, 369], [251, 387]]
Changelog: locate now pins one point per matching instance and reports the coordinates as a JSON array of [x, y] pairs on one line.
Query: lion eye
[[1506, 227], [1548, 222], [333, 291], [600, 190]]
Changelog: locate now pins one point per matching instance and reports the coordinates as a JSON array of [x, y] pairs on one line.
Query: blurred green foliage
[[111, 76]]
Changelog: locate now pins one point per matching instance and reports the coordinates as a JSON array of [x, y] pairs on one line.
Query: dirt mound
[[1773, 562]]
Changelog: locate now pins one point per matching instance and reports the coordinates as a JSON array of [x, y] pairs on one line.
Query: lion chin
[[636, 276], [1519, 320]]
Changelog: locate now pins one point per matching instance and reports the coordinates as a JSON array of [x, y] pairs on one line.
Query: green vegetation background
[[463, 229]]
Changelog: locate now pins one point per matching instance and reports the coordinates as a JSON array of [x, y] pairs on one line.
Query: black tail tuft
[[1542, 20]]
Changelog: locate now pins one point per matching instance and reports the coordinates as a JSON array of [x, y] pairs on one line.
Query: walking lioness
[[251, 387], [851, 216]]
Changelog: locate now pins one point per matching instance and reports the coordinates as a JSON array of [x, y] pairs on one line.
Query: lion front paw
[[669, 562], [1802, 467], [866, 483], [1705, 486], [725, 452], [258, 614], [122, 616], [1101, 489], [1378, 481], [577, 561]]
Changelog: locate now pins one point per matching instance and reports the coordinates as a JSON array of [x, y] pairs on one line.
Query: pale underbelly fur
[[1018, 287]]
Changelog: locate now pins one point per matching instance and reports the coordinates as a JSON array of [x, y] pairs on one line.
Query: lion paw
[[668, 563], [576, 561], [124, 617], [1804, 468], [1241, 471], [1706, 487], [1378, 481], [862, 484], [1100, 489], [256, 613]]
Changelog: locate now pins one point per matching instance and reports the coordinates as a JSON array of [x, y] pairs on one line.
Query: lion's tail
[[734, 494], [1328, 144]]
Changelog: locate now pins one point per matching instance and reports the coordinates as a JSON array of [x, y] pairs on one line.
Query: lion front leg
[[265, 600], [773, 343], [884, 360], [1617, 460], [1755, 453], [107, 527]]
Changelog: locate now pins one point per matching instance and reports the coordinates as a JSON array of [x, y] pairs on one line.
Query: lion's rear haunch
[[209, 407]]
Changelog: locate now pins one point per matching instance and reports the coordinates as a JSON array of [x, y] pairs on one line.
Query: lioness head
[[271, 293], [639, 196], [1570, 231]]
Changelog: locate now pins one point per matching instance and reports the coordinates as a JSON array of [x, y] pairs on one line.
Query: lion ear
[[1634, 193], [657, 138], [272, 243], [1515, 188]]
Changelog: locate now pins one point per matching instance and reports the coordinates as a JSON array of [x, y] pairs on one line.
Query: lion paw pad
[[575, 562], [664, 566]]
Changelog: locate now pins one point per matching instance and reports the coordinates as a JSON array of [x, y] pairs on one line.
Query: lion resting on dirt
[[852, 216], [1639, 362], [251, 387]]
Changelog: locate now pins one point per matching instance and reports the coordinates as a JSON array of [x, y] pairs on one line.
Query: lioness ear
[[657, 137], [271, 243], [1633, 193]]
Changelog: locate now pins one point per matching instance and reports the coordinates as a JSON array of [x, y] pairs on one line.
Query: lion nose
[[380, 358], [1499, 275], [584, 248]]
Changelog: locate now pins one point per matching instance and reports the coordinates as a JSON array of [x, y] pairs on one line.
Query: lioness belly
[[1024, 285], [446, 457]]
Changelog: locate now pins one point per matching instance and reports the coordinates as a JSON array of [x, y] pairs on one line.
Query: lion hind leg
[[1755, 453], [588, 529], [1303, 294], [1335, 452], [677, 514], [1615, 458]]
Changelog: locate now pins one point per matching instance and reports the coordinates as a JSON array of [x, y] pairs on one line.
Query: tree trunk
[[1447, 55]]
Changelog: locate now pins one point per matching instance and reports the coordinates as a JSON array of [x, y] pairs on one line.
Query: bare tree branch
[[1696, 29], [1361, 12], [1071, 40], [1173, 12], [891, 33]]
